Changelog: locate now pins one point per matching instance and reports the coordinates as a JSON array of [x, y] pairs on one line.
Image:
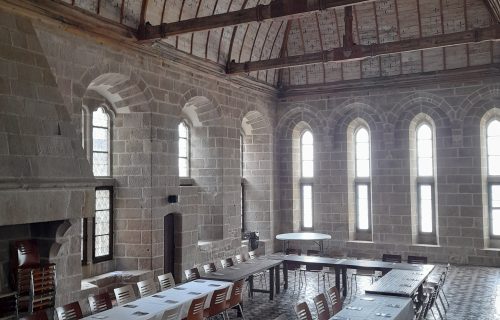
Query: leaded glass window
[[183, 150], [100, 143], [362, 179], [307, 154], [103, 223], [493, 155]]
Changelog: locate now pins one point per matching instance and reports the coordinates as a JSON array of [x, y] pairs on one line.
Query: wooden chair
[[166, 281], [217, 303], [40, 315], [196, 310], [100, 302], [417, 260], [252, 255], [302, 311], [192, 274], [209, 267], [146, 288], [43, 288], [226, 263], [395, 258], [238, 258], [172, 314], [321, 307], [334, 296], [236, 297], [71, 311], [124, 295]]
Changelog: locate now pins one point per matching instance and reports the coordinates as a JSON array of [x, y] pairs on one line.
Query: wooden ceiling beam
[[358, 52], [275, 10]]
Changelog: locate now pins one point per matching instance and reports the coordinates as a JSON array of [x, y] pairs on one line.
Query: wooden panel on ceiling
[[477, 14], [453, 16], [110, 10], [189, 11], [199, 39], [214, 36], [387, 20], [131, 13], [408, 18], [494, 7], [367, 30], [294, 45], [328, 30], [154, 11]]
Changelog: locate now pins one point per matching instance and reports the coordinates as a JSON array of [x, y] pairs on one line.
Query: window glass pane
[[307, 206], [362, 150], [307, 169], [362, 136], [495, 222], [363, 207], [495, 196], [183, 168], [363, 168], [102, 223], [307, 152], [100, 118], [183, 131], [102, 246], [307, 138], [183, 148], [424, 148], [425, 205], [425, 167], [100, 139], [100, 164], [494, 129], [424, 132], [494, 146], [494, 165]]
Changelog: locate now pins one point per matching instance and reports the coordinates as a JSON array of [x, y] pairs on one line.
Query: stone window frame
[[419, 237], [491, 240], [306, 181], [355, 233], [188, 142], [102, 181]]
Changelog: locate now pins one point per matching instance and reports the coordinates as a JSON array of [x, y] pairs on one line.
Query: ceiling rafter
[[358, 52], [276, 9]]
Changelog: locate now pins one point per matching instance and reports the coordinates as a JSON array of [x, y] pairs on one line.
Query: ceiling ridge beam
[[358, 52], [275, 10]]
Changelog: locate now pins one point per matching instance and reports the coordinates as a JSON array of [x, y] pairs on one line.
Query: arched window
[[183, 150], [307, 172], [242, 203], [101, 154], [362, 179], [493, 162], [425, 178]]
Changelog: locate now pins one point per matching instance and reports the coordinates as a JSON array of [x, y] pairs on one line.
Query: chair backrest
[[192, 274], [297, 252], [40, 315], [43, 288], [209, 267], [172, 314], [313, 253], [417, 260], [227, 263], [71, 311], [196, 309], [217, 302], [333, 295], [321, 307], [146, 288], [391, 258], [238, 258], [236, 293], [24, 253], [100, 302], [302, 311], [251, 255], [124, 295], [166, 281]]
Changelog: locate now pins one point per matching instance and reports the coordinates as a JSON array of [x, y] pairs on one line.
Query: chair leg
[[241, 310], [444, 294]]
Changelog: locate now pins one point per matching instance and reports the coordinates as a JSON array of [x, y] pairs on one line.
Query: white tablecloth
[[154, 306], [376, 307], [312, 236]]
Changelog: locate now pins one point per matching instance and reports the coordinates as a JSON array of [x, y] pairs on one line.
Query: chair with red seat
[[196, 310], [302, 311], [100, 302], [217, 303], [321, 307], [236, 298], [71, 311]]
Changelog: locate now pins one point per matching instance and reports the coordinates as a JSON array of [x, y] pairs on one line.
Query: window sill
[[360, 241], [424, 245], [204, 245], [186, 182], [105, 182]]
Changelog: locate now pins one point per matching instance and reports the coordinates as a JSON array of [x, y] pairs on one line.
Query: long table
[[246, 270], [373, 307], [340, 267], [153, 307]]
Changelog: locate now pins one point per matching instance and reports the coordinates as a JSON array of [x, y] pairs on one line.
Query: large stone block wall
[[456, 108]]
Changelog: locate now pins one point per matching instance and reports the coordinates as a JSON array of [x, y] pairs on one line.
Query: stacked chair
[[34, 282]]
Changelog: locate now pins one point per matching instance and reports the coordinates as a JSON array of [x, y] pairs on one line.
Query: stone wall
[[455, 106]]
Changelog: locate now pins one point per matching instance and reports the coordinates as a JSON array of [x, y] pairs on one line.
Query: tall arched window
[[306, 172], [493, 162], [362, 179], [183, 150], [242, 203], [101, 154], [425, 179]]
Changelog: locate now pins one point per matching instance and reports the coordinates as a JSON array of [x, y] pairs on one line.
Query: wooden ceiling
[[317, 32]]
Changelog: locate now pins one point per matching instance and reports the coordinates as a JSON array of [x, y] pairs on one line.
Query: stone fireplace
[[46, 183]]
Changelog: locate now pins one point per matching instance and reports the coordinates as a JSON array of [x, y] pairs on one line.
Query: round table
[[303, 236]]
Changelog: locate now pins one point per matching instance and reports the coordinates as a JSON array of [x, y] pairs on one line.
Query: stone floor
[[473, 292]]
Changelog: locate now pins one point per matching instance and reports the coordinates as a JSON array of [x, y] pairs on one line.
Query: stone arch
[[200, 107], [484, 97], [296, 114]]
